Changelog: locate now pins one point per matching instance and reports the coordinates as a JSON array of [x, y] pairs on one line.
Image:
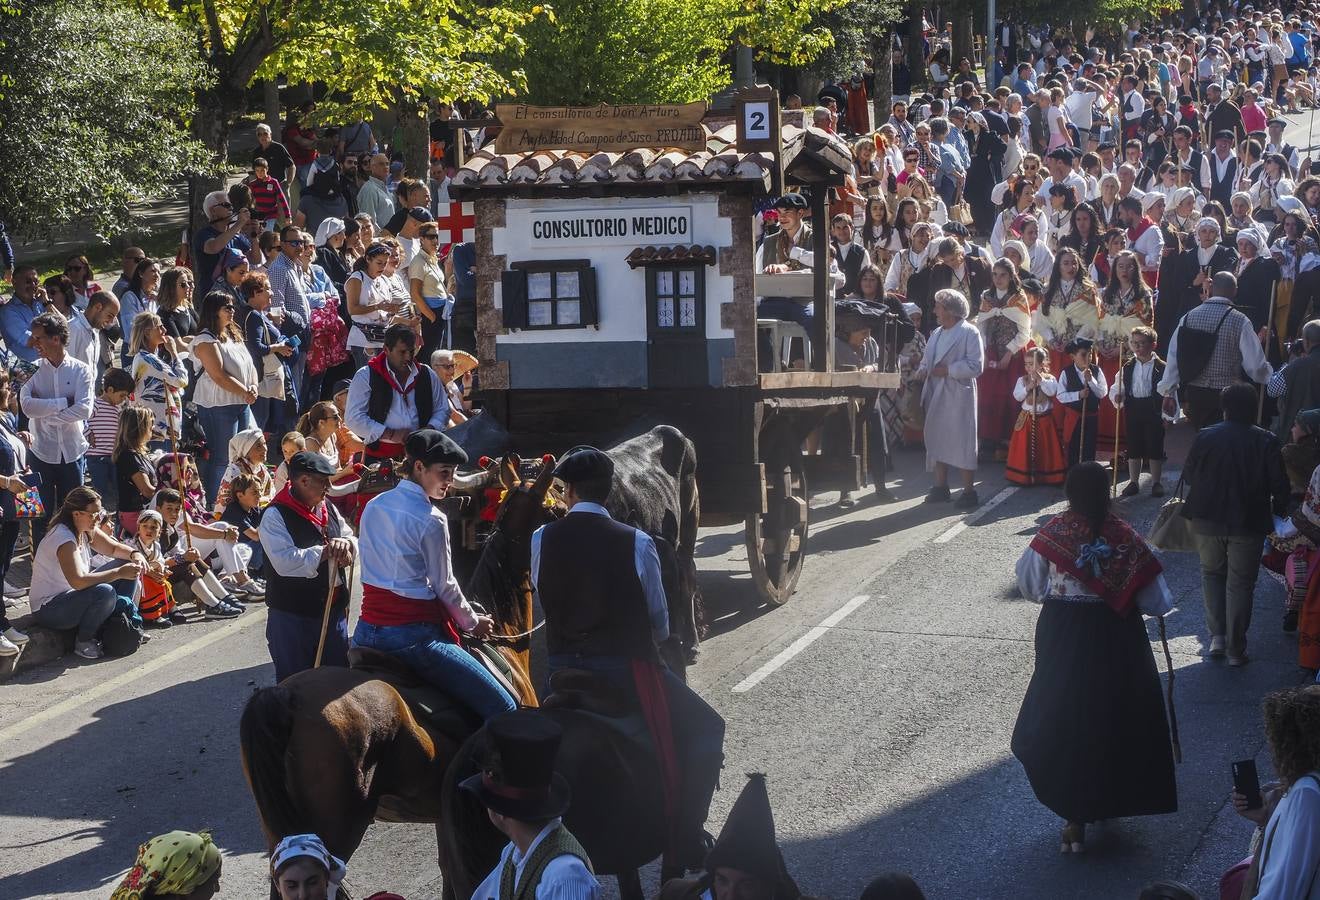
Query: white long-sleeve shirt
[[1038, 578], [403, 407], [83, 342], [1042, 395], [1096, 382], [58, 400], [646, 560], [405, 549], [286, 557], [1254, 363], [1289, 867], [1149, 248]]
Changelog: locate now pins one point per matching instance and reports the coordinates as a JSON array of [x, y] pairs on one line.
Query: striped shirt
[[268, 200], [102, 428]]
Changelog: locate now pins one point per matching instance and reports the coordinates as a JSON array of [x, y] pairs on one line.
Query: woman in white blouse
[[226, 387], [368, 296]]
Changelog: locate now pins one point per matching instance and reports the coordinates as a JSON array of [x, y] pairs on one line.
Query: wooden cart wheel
[[777, 539]]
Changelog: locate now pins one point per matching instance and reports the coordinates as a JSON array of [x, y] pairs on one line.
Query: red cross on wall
[[460, 220]]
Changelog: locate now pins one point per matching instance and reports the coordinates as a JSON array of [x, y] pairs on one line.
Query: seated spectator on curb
[[247, 456], [134, 473], [319, 427], [156, 602], [443, 364], [291, 443], [244, 513], [66, 592], [187, 561], [178, 864]]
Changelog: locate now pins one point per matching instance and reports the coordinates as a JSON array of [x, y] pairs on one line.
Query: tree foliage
[[1104, 15], [659, 51], [367, 54], [858, 28], [89, 115]]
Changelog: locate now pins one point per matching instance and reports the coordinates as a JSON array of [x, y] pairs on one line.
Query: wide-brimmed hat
[[518, 777], [464, 362]]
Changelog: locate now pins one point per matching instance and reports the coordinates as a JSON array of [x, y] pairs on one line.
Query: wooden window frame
[[587, 298], [652, 300]]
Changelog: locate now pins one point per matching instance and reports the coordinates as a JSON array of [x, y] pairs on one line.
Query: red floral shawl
[[1115, 567]]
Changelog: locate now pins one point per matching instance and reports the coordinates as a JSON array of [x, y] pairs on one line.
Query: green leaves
[[90, 118]]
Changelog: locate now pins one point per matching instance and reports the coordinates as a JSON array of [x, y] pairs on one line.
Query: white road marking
[[976, 516], [105, 687], [794, 648]]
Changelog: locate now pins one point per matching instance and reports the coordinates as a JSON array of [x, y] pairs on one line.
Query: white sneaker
[[15, 636], [88, 649], [7, 647], [13, 590]]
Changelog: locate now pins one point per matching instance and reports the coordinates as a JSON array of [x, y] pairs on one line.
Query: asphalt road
[[885, 738], [880, 701]]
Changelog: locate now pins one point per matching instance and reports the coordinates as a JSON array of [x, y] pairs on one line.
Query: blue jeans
[[292, 641], [57, 479], [220, 424], [101, 471], [85, 610], [427, 649], [269, 415]]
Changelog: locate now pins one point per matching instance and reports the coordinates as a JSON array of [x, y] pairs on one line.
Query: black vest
[[1129, 373], [850, 263], [1072, 383], [1195, 162], [304, 596], [1222, 190], [381, 396], [589, 588]]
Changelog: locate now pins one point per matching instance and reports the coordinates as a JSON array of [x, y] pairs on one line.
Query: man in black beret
[[301, 535], [412, 606], [600, 585]]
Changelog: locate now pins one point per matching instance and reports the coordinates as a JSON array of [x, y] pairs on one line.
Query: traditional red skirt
[[995, 407], [1035, 454]]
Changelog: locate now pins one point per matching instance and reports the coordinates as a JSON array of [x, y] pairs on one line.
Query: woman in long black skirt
[[1092, 732]]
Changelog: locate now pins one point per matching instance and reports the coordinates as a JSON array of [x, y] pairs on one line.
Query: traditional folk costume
[[297, 575], [172, 864], [746, 844], [1092, 733], [1142, 407], [1074, 312], [518, 781], [1035, 454], [1080, 416], [912, 416], [1004, 321], [1294, 258], [1117, 320], [1300, 546], [378, 402], [600, 586], [1147, 241], [156, 599]]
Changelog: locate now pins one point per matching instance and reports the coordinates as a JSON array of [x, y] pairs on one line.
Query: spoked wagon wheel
[[777, 539]]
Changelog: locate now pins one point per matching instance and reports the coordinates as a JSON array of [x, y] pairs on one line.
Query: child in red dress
[[1035, 453]]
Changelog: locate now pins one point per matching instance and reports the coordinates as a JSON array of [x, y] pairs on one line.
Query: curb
[[44, 645]]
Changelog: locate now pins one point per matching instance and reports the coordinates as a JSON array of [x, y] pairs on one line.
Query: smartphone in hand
[[1247, 783]]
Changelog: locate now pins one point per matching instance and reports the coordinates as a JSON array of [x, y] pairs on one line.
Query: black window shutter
[[513, 290], [589, 309]]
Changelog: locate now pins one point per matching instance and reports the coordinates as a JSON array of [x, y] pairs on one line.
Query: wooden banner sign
[[587, 129]]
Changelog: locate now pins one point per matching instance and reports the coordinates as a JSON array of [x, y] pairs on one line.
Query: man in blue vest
[[599, 583]]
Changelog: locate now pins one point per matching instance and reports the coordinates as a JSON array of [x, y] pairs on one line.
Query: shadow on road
[[151, 780]]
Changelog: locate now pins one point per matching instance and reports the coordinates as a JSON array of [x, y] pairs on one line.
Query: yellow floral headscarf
[[174, 863]]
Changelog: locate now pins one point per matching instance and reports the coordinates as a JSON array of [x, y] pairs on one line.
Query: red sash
[[384, 608], [389, 449], [654, 701]]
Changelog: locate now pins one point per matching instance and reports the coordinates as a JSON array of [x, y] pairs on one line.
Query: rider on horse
[[600, 586], [412, 607]]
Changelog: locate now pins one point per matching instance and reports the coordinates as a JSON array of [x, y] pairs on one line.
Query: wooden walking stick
[[1173, 713], [325, 617], [178, 465], [1269, 329], [1081, 428], [1031, 442]]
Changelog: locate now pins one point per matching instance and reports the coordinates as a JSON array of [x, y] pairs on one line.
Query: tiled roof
[[719, 164], [642, 256]]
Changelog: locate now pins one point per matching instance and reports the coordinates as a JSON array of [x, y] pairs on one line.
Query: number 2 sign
[[757, 113]]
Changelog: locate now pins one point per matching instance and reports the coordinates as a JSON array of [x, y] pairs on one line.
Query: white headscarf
[[328, 228], [241, 443]]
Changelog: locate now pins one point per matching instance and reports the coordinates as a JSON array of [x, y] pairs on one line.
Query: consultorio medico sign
[[583, 227]]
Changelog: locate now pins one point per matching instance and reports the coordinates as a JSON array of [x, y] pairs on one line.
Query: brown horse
[[329, 750]]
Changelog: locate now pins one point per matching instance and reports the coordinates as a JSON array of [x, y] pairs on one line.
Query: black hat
[[1061, 153], [584, 464], [1078, 344], [957, 229], [1224, 135], [1282, 123], [306, 462], [1106, 145], [431, 447], [1033, 286], [791, 201], [341, 385], [518, 777], [747, 841]]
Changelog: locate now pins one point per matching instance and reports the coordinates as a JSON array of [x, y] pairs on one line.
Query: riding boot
[[700, 778]]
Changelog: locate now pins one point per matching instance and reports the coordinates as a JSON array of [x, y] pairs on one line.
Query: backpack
[[119, 635], [1195, 347]]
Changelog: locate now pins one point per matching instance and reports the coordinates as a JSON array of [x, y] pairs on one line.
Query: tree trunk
[[415, 135], [962, 35], [883, 58], [916, 50], [270, 97]]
